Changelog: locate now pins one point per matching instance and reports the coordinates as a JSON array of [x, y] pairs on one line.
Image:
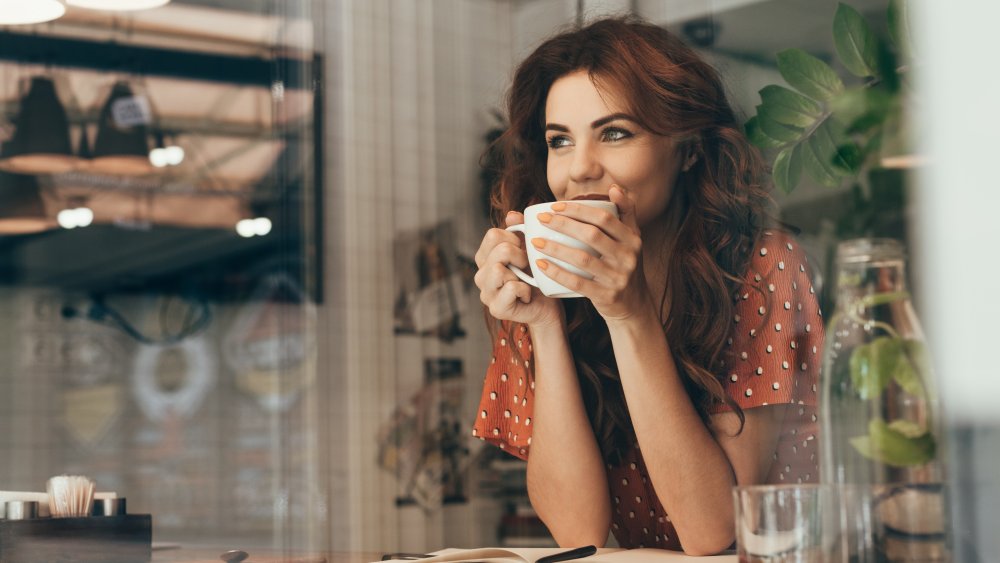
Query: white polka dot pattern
[[771, 361]]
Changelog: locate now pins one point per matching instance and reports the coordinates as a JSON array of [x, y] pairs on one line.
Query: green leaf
[[872, 365], [828, 138], [758, 137], [852, 155], [788, 168], [899, 25], [778, 131], [855, 42], [817, 169], [912, 369], [890, 446], [789, 107], [809, 75], [907, 428], [861, 107]]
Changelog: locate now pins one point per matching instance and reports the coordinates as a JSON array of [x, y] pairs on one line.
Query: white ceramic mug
[[532, 228]]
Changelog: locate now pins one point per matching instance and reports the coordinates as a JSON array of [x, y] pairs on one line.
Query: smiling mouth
[[598, 197]]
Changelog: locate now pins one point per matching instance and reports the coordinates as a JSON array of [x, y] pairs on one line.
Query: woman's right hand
[[504, 294]]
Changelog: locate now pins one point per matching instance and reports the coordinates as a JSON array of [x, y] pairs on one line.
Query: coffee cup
[[533, 228]]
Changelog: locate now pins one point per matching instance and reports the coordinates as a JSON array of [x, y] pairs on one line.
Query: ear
[[690, 154]]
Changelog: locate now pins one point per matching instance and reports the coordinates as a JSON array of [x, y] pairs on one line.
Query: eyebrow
[[602, 121]]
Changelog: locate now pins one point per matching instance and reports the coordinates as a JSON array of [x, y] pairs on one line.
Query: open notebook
[[532, 554]]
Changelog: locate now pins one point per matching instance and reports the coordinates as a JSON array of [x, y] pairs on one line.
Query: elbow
[[701, 544], [579, 537], [571, 528]]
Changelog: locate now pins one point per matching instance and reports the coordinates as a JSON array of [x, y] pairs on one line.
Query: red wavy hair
[[724, 200]]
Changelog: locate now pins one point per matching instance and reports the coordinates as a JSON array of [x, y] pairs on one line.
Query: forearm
[[689, 470], [567, 482]]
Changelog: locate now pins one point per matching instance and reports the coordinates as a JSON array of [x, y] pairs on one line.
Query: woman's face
[[593, 143]]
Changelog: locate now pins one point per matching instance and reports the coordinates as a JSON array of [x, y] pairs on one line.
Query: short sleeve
[[504, 416], [773, 354]]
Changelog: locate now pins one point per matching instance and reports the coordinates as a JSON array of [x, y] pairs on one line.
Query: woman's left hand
[[618, 289]]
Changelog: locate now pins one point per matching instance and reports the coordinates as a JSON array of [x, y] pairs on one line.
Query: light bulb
[[66, 219], [158, 157], [245, 228], [261, 226], [175, 155], [84, 216], [25, 12]]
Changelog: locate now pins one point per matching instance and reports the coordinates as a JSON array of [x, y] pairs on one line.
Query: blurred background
[[237, 239]]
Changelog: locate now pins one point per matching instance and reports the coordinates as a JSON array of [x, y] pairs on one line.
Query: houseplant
[[879, 425]]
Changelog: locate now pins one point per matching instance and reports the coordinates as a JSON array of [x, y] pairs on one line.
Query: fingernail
[[559, 206], [538, 242], [544, 217], [543, 264]]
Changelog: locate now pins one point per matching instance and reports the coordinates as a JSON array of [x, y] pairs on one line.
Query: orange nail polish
[[559, 206], [543, 264], [538, 242], [544, 217]]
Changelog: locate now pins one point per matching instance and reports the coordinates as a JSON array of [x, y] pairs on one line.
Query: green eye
[[557, 142], [613, 134]]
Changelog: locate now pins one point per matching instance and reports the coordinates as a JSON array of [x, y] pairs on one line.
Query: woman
[[690, 365]]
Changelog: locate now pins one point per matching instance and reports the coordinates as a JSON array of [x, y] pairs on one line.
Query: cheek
[[556, 178]]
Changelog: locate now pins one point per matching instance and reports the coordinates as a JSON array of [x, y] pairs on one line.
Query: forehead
[[583, 95]]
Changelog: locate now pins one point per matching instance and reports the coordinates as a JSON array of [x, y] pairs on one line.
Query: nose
[[586, 165]]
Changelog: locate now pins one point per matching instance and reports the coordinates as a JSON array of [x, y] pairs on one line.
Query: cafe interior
[[237, 260]]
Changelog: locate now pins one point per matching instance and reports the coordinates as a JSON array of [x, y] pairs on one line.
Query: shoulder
[[777, 257]]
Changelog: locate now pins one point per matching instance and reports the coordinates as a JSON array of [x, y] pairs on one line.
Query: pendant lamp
[[120, 149], [118, 5], [41, 142], [26, 12], [22, 210]]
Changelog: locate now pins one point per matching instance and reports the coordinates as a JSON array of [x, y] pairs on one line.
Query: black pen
[[578, 553]]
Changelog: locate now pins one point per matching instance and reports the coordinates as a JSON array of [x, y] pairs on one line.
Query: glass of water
[[783, 523]]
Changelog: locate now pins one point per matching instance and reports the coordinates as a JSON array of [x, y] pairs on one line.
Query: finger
[[592, 235], [567, 279], [503, 303], [582, 259], [515, 291], [509, 253], [491, 239], [492, 283], [626, 207], [514, 218], [603, 219]]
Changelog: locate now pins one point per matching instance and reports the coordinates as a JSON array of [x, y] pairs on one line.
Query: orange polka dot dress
[[773, 359]]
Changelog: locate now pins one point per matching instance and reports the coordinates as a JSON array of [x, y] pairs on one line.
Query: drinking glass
[[782, 523]]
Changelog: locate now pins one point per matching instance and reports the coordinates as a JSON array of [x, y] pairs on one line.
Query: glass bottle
[[880, 420]]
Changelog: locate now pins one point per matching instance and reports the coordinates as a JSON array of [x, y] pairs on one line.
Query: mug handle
[[518, 271]]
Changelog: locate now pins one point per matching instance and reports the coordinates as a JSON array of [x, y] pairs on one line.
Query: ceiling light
[[258, 227], [40, 144], [165, 154], [76, 217], [122, 146], [24, 12], [118, 5]]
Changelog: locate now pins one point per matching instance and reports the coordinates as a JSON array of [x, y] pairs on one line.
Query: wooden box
[[108, 539]]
